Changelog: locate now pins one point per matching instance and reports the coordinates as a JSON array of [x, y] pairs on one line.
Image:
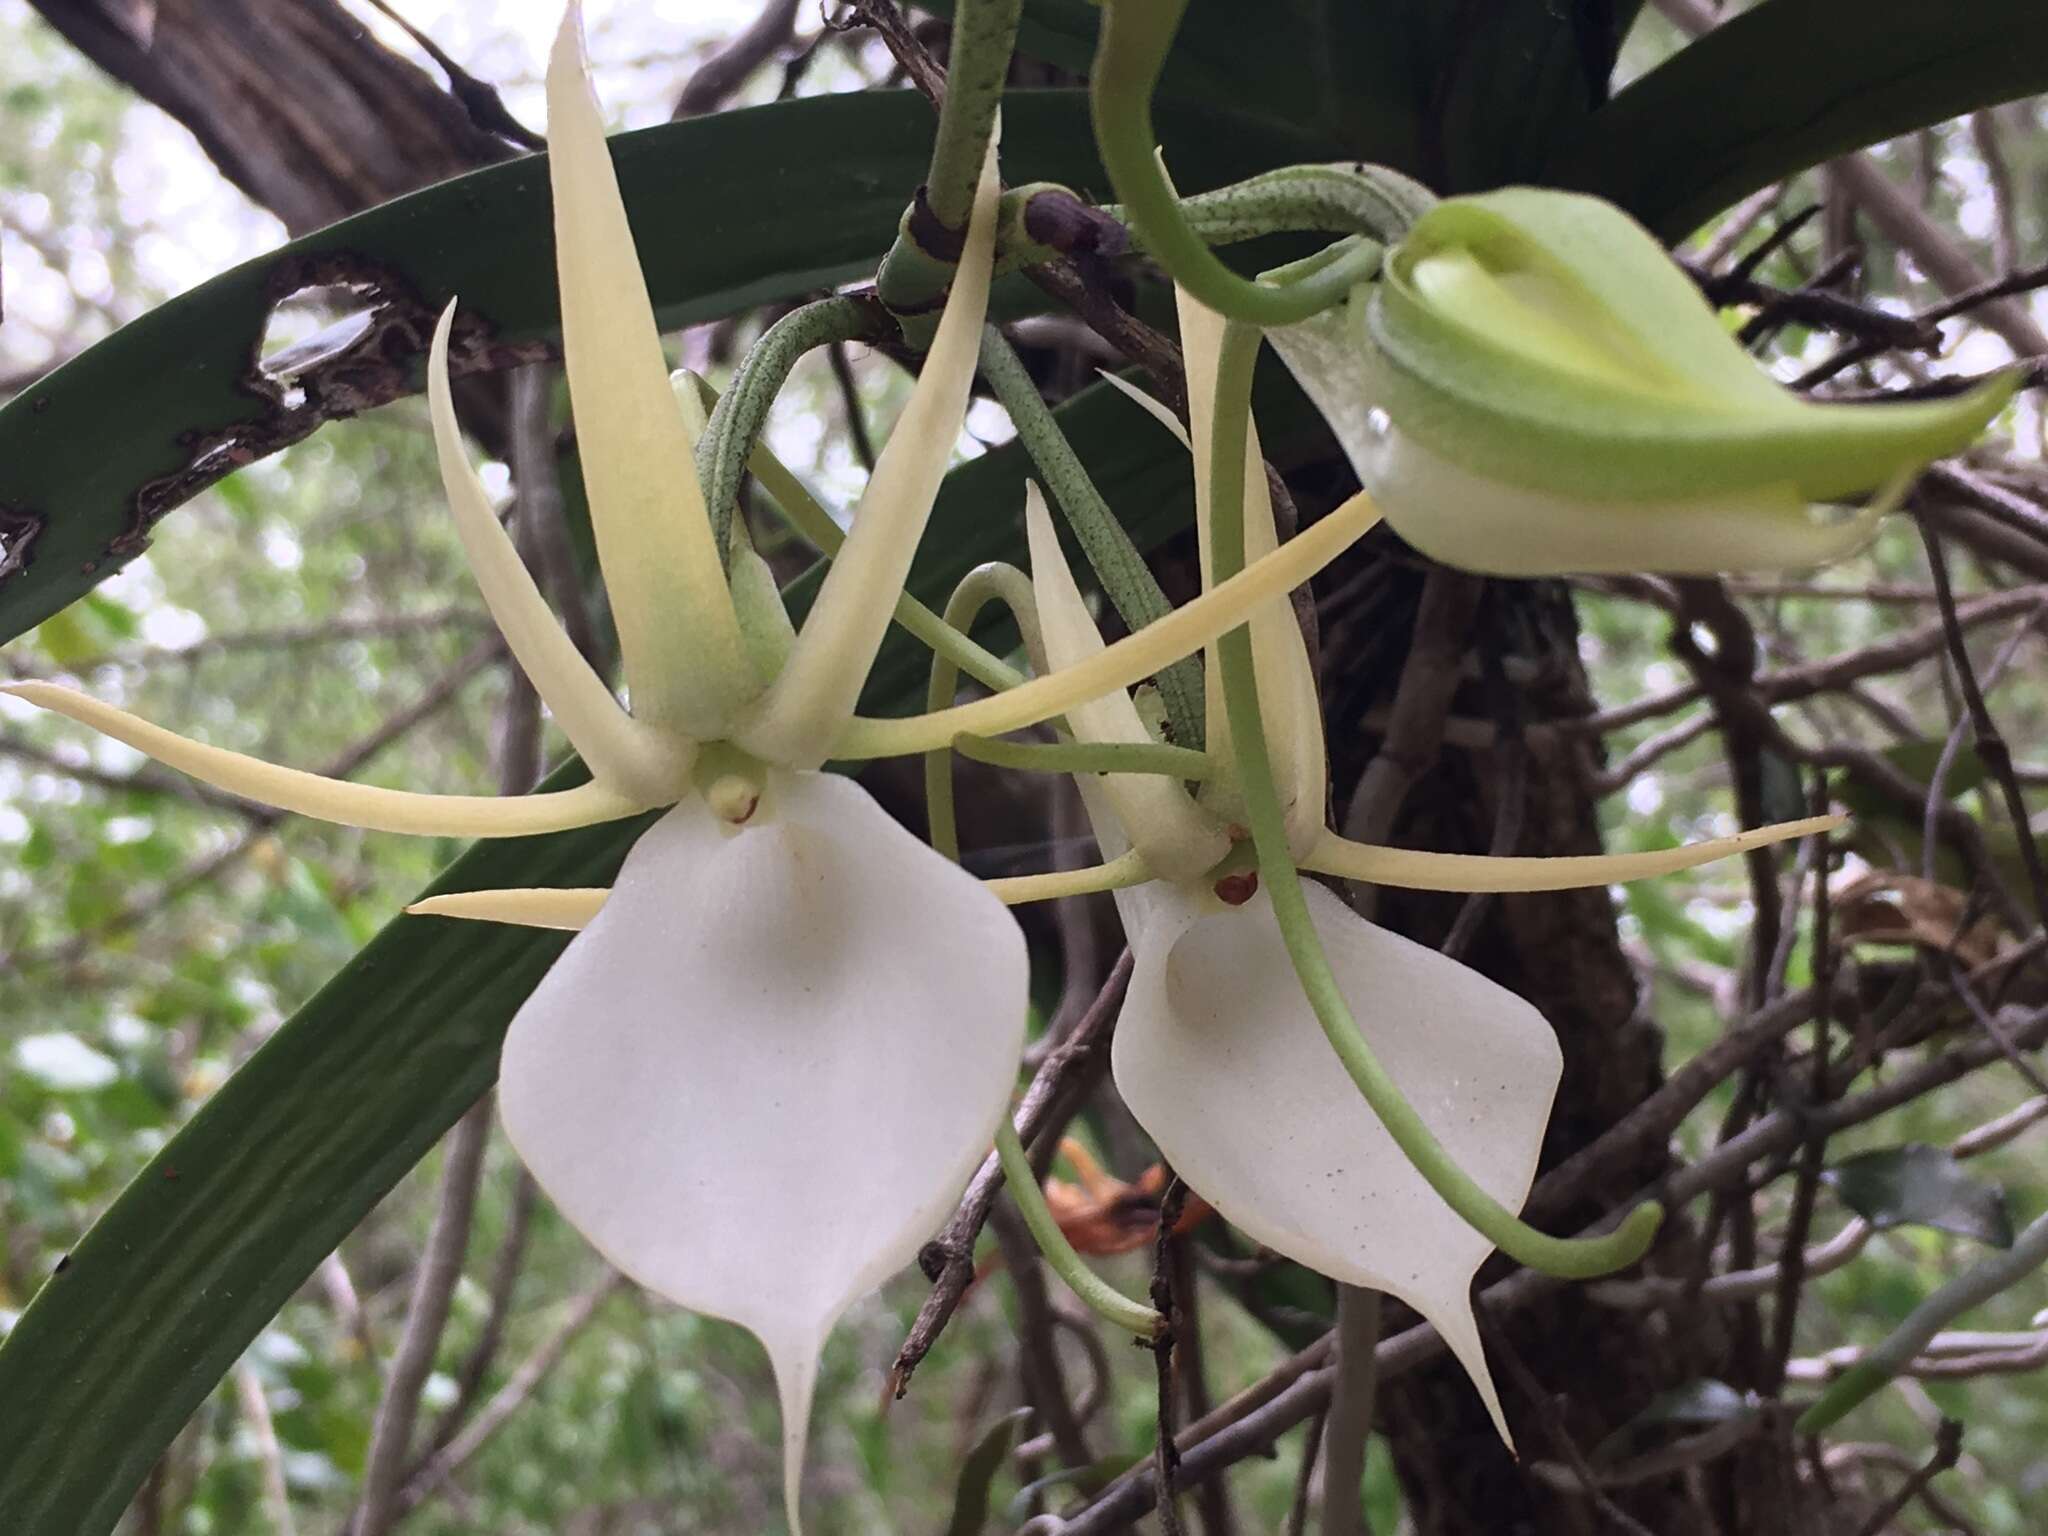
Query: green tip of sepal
[[1858, 447], [766, 633]]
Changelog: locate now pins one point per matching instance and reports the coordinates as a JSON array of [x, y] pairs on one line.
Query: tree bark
[[1561, 951], [296, 103]]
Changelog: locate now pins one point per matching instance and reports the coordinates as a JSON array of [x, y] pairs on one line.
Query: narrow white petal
[[619, 749], [1220, 1058], [814, 697], [569, 908], [1158, 410], [1417, 869], [759, 1079], [1289, 706], [1131, 659], [1177, 839], [353, 805], [677, 632], [1455, 516]]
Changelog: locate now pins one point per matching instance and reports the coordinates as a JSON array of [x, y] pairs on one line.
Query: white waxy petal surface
[[759, 1079], [1476, 524], [1220, 1058]]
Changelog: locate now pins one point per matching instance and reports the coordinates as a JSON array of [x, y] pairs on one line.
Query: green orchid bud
[[1535, 387]]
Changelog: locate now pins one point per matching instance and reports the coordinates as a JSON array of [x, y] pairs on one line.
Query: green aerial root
[[1128, 57], [985, 584], [1084, 756], [1101, 1298]]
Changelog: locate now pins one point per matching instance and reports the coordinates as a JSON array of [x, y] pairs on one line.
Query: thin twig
[[505, 1270], [1048, 1104], [719, 78], [1166, 1454], [255, 1406], [1305, 1476], [1991, 748], [1038, 1354], [378, 1506], [1347, 1425], [1948, 1446], [524, 1382]]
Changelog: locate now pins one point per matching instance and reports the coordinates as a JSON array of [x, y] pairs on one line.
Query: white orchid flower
[[1218, 1052], [758, 1080], [1534, 387]]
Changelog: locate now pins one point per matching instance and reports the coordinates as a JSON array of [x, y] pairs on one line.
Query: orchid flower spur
[[1534, 387], [1224, 1049], [759, 1078]]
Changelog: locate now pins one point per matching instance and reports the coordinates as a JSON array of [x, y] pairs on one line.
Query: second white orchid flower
[[1219, 1051]]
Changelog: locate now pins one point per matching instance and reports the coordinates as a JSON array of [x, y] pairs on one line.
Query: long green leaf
[[1792, 83], [730, 211], [1464, 96]]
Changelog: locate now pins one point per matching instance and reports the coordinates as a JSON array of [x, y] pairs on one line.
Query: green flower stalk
[[1533, 387]]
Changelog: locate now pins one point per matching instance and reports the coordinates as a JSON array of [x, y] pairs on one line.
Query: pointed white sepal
[[620, 751], [1156, 409], [567, 908], [685, 669], [1219, 1056], [338, 800], [1421, 869], [759, 1079], [814, 697], [1290, 706], [1132, 659], [1177, 839]]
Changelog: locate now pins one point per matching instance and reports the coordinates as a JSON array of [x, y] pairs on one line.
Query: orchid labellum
[[758, 1079], [1534, 387], [1219, 1051]]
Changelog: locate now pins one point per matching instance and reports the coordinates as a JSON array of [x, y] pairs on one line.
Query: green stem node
[[918, 268]]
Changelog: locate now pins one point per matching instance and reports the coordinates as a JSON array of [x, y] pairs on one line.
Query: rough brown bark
[[1563, 952], [296, 103]]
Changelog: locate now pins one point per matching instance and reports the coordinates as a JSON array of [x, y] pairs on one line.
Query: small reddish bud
[[1235, 890]]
